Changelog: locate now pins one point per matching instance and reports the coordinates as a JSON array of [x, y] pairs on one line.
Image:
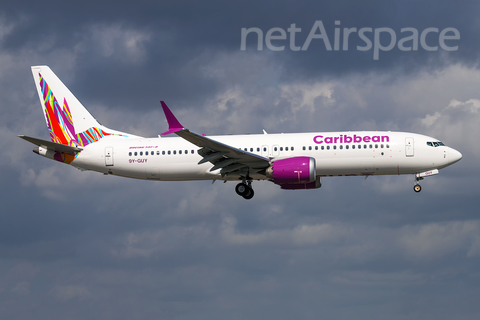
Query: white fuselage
[[336, 154], [292, 161]]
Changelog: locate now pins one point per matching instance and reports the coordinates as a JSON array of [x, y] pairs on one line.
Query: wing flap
[[216, 146]]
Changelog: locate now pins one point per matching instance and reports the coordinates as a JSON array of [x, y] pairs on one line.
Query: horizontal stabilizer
[[51, 145]]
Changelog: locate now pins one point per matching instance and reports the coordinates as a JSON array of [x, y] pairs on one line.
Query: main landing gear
[[245, 190], [417, 187]]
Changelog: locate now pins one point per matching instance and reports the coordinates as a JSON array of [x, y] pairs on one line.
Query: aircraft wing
[[51, 145], [224, 157]]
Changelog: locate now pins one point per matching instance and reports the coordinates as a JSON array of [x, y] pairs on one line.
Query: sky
[[77, 245]]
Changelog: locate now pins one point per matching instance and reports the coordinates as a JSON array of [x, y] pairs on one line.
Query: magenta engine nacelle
[[292, 170]]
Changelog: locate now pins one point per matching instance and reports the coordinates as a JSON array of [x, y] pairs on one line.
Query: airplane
[[293, 161]]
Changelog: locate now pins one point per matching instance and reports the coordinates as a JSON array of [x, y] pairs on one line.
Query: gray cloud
[[79, 244]]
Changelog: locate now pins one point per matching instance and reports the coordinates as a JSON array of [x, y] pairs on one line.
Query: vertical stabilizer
[[68, 121]]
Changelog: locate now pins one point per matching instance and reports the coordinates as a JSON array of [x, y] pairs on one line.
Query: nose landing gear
[[245, 190], [417, 188]]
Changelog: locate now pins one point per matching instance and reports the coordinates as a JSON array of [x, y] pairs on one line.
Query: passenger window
[[335, 147], [275, 149], [169, 152], [388, 146], [304, 148], [158, 153], [360, 146], [174, 151], [141, 153], [316, 147], [179, 151], [291, 148], [370, 146], [258, 149], [286, 148], [328, 147], [152, 153], [163, 152], [135, 153], [381, 146], [129, 154], [376, 146], [281, 148], [346, 147], [323, 148], [264, 149], [251, 149], [364, 146], [193, 152], [341, 147]]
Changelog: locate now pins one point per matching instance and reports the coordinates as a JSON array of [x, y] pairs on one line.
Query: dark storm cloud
[[82, 245], [188, 34]]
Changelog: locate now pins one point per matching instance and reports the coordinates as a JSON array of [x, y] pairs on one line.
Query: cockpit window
[[435, 144]]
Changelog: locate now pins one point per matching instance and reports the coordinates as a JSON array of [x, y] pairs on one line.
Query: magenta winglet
[[173, 124]]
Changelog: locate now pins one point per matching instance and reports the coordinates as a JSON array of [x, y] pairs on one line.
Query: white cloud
[[438, 240], [145, 244], [306, 95], [302, 235], [115, 40], [71, 292], [376, 279], [457, 124], [21, 288]]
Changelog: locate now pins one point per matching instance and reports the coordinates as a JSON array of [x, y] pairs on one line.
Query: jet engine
[[296, 170]]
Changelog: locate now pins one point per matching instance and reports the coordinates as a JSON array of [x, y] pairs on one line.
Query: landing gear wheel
[[241, 189], [249, 194], [417, 188]]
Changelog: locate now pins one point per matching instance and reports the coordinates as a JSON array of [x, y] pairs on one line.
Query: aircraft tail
[[69, 123]]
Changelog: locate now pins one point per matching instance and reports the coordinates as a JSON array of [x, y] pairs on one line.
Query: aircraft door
[[409, 147], [109, 156]]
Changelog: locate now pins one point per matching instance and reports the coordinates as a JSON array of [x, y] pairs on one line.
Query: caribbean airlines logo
[[376, 39], [350, 139]]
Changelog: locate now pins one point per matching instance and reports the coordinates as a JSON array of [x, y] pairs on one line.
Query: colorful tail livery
[[70, 123], [292, 161]]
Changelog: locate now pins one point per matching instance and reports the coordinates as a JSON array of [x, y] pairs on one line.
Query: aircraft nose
[[455, 155]]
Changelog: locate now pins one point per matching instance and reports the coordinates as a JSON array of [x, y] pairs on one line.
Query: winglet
[[173, 124]]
